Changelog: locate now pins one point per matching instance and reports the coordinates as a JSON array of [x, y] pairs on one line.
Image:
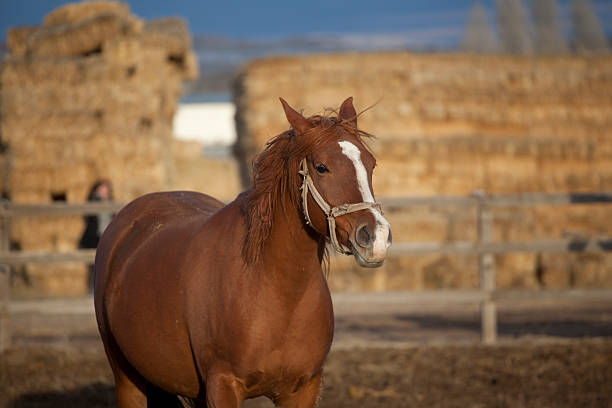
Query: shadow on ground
[[561, 327], [97, 395], [423, 327]]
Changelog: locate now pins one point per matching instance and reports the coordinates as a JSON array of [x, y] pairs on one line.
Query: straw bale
[[75, 174], [5, 169], [346, 276], [42, 71], [50, 175], [171, 34], [83, 38], [147, 64], [125, 51], [139, 177], [29, 196], [35, 184], [62, 126], [30, 180], [63, 279], [56, 99], [401, 273], [17, 39], [593, 270], [405, 273], [52, 233], [146, 54], [191, 67], [557, 270], [134, 128], [421, 224], [167, 69], [74, 193], [185, 150], [76, 12], [124, 60], [122, 146], [111, 147], [449, 272], [516, 271], [215, 176]]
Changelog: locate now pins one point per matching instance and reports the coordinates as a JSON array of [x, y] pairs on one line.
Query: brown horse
[[218, 303]]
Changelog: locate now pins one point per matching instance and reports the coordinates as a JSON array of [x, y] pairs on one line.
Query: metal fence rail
[[92, 208], [484, 247]]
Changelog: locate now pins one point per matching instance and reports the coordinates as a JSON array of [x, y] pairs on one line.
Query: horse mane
[[276, 176]]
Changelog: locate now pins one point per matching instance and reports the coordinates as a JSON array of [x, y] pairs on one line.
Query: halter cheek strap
[[330, 212]]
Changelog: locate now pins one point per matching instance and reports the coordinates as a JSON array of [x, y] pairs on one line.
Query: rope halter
[[330, 212]]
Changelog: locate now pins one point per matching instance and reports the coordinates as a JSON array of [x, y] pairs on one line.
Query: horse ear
[[297, 121], [347, 112]]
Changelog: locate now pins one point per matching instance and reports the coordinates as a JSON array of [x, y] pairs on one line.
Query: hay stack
[[90, 94], [449, 125], [76, 12], [192, 170]]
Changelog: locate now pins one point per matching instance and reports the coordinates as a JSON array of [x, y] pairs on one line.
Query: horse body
[[253, 310], [218, 303]]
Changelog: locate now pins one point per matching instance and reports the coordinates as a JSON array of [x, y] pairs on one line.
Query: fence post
[[486, 269], [5, 282]]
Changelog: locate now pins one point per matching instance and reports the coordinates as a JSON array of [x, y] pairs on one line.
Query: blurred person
[[96, 224]]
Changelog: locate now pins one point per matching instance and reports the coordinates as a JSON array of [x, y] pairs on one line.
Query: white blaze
[[382, 225]]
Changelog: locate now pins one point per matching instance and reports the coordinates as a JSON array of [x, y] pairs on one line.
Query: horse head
[[337, 198]]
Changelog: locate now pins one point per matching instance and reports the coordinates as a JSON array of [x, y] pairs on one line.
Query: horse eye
[[322, 169]]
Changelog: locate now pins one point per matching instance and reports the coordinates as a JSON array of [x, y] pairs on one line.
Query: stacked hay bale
[[450, 125], [90, 94], [193, 170]]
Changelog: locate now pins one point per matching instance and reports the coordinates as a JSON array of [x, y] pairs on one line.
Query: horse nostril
[[389, 238], [364, 236]]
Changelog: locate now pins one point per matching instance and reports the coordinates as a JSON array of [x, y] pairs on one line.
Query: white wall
[[209, 123]]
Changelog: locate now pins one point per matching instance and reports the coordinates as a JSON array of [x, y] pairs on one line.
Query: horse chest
[[287, 369], [301, 332], [294, 352]]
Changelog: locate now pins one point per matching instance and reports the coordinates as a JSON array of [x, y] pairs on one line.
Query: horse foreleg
[[223, 390], [305, 397]]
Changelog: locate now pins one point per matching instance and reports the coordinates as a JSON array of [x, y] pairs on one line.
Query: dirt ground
[[396, 354], [574, 374]]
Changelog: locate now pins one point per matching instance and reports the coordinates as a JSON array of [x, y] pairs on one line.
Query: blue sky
[[433, 21]]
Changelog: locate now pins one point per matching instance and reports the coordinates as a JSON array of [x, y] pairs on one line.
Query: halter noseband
[[330, 212]]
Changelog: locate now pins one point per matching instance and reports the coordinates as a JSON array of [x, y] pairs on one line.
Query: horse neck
[[293, 254]]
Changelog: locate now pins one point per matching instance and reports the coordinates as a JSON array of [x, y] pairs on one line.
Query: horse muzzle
[[370, 241]]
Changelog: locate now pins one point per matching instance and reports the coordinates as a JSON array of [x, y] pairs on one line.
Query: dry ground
[[399, 353], [574, 374]]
